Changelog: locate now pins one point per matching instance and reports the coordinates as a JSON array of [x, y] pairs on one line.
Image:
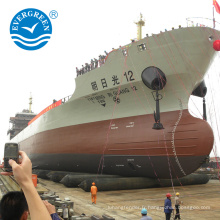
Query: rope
[[110, 124]]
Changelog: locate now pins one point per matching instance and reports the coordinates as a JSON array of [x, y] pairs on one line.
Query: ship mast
[[139, 24], [30, 103]]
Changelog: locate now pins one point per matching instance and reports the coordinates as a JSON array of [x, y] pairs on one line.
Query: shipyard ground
[[199, 201]]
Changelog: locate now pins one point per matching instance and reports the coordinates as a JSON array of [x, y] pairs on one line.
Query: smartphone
[[11, 152]]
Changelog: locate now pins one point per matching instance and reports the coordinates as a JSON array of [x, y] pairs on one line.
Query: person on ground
[[168, 206], [144, 215], [93, 193], [177, 206], [14, 206], [23, 175]]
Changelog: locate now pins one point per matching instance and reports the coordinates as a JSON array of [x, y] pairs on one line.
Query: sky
[[82, 30]]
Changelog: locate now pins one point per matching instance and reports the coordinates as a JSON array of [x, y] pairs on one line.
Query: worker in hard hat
[[168, 206], [144, 215], [177, 206], [93, 193]]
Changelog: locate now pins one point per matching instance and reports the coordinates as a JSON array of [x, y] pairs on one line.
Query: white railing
[[66, 99], [202, 22]]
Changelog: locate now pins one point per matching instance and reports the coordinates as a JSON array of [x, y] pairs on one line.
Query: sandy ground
[[199, 201]]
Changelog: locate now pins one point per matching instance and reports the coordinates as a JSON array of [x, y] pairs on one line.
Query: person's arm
[[52, 210], [23, 175]]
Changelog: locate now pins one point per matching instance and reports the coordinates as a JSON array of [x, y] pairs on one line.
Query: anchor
[[157, 125]]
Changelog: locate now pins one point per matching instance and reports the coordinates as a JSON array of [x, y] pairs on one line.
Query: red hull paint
[[192, 137], [183, 137]]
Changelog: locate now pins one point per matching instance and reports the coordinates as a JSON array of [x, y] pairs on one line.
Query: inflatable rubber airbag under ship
[[129, 115]]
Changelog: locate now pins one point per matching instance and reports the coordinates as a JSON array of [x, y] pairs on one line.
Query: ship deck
[[199, 201]]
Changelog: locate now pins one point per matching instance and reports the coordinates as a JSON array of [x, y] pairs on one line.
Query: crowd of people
[[17, 205], [94, 63]]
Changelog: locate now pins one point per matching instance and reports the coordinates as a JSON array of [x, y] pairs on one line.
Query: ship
[[20, 121], [129, 114]]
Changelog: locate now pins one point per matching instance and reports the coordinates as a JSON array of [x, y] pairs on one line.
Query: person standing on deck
[[177, 206], [168, 206], [93, 193]]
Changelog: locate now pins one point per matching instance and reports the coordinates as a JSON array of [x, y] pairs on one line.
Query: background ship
[[20, 121], [109, 124]]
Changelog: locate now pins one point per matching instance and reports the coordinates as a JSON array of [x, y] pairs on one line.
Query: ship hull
[[128, 147], [106, 125]]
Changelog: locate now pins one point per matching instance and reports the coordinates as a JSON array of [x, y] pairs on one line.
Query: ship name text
[[115, 81]]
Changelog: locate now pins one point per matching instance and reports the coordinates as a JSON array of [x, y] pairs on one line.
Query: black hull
[[130, 166]]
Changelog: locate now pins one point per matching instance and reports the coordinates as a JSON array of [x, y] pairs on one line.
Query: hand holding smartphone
[[11, 152]]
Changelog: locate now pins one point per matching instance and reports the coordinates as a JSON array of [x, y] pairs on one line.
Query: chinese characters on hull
[[114, 95], [115, 81]]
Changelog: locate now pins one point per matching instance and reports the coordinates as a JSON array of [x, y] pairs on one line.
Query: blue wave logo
[[30, 29]]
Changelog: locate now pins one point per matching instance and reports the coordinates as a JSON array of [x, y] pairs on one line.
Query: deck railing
[[202, 22], [53, 105], [65, 99]]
